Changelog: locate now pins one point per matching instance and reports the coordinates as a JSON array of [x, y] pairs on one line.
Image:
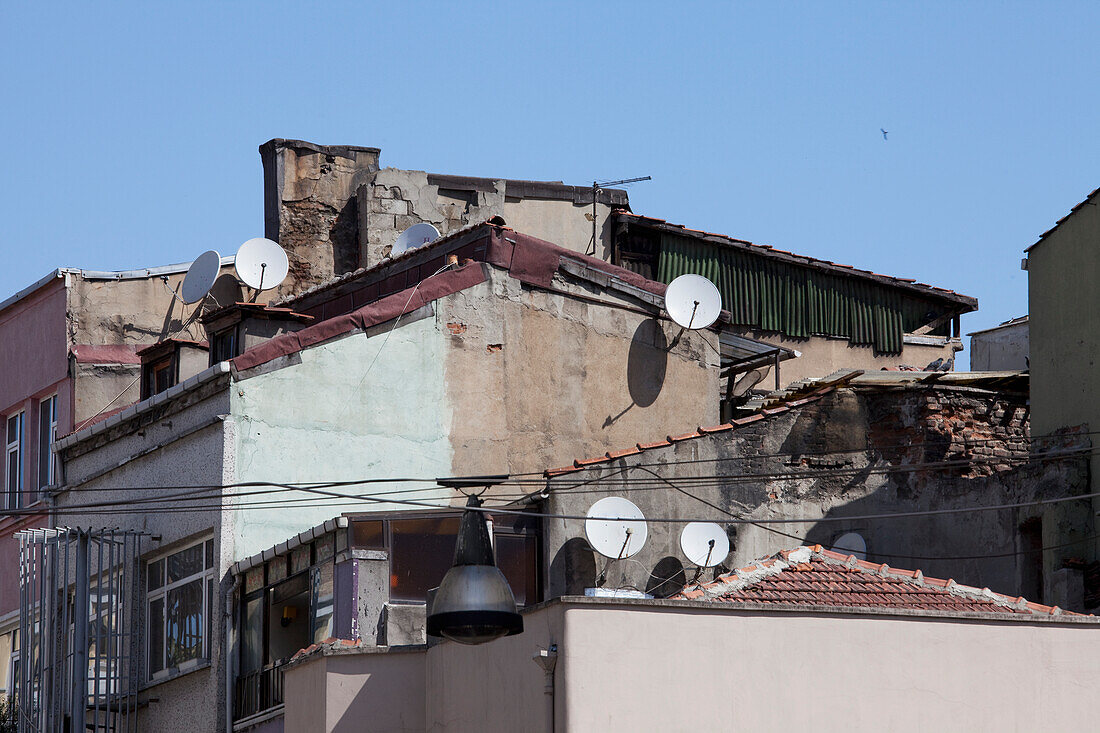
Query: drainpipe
[[229, 653], [548, 660]]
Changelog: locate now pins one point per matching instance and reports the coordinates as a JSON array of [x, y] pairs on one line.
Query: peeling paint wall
[[852, 448], [357, 407]]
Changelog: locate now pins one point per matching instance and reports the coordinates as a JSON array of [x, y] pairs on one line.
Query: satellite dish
[[693, 302], [415, 236], [261, 264], [851, 543], [705, 544], [200, 276], [619, 536]]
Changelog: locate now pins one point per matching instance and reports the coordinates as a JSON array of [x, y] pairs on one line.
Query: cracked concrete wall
[[857, 446], [349, 409], [398, 199], [536, 377]]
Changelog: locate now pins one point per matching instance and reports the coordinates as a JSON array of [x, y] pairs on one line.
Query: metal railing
[[258, 691]]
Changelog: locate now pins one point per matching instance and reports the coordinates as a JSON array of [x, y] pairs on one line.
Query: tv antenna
[[415, 236], [597, 189], [200, 276], [705, 544], [261, 264]]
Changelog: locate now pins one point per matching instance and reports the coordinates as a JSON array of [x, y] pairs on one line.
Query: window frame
[[13, 493], [206, 575], [47, 450]]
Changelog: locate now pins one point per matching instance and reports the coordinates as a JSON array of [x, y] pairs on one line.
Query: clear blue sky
[[131, 129]]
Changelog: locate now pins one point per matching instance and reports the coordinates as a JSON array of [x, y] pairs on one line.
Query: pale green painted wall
[[329, 419]]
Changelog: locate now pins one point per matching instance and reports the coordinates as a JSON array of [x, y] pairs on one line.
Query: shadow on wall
[[646, 364]]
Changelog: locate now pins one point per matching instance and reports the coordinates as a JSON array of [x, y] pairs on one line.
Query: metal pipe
[[80, 634], [547, 659]]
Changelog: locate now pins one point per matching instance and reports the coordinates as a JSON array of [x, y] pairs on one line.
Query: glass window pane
[[156, 574], [184, 627], [210, 553], [254, 579], [516, 558], [367, 534], [324, 548], [276, 569], [156, 636], [420, 556], [321, 602], [13, 428], [252, 636], [299, 559], [45, 441], [185, 563]]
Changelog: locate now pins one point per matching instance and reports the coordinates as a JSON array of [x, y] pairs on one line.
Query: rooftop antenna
[[415, 236], [597, 189], [261, 265], [200, 276], [705, 544]]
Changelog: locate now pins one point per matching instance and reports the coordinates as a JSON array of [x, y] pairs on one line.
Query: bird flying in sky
[[884, 132]]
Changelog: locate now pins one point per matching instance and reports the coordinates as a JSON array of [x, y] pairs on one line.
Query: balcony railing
[[258, 691]]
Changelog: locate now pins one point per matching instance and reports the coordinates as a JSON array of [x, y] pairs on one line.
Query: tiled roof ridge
[[776, 403], [742, 578], [766, 248]]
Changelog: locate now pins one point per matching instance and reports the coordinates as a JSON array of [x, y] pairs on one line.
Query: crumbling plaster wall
[[538, 377], [852, 449], [334, 210]]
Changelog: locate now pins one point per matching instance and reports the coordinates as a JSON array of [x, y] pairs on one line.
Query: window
[[13, 464], [158, 376], [180, 599], [223, 345], [47, 434]]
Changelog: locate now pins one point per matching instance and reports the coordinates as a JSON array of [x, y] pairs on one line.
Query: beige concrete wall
[[644, 667], [561, 222], [351, 693], [1000, 348], [630, 670], [822, 355], [537, 379]]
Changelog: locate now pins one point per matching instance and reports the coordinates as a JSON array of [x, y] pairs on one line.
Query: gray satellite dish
[[200, 276], [261, 264], [851, 543], [693, 302], [415, 236], [705, 544], [621, 534]]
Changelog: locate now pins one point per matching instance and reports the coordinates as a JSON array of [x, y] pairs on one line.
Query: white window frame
[[13, 490], [161, 593], [46, 451]]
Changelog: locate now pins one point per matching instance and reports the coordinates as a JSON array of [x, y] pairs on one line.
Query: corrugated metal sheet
[[797, 301]]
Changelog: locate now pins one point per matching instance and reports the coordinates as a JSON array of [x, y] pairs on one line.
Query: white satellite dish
[[261, 264], [851, 543], [200, 276], [705, 544], [693, 301], [621, 534], [415, 236]]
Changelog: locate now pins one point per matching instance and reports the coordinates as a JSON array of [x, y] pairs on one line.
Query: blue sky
[[132, 129]]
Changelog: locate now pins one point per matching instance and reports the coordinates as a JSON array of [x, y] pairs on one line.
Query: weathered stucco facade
[[1001, 347], [865, 445]]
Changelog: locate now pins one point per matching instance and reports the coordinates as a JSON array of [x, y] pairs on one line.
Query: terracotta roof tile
[[815, 576]]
